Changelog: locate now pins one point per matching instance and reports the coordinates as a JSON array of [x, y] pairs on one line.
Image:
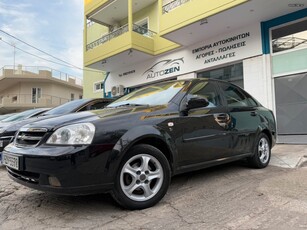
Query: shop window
[[72, 96], [293, 36], [232, 73]]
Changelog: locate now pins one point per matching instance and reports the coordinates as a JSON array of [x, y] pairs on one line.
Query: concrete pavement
[[289, 156]]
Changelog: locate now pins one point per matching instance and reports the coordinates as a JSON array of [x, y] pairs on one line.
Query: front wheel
[[262, 152], [143, 178]]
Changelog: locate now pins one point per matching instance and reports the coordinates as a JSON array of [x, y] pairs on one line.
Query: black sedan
[[10, 125], [133, 147]]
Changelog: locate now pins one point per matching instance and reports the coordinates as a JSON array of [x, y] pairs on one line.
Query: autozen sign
[[226, 48], [164, 67]]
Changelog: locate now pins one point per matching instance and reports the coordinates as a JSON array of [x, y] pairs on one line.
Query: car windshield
[[68, 107], [22, 115], [157, 94]]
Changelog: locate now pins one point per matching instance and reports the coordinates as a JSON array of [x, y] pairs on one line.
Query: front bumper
[[4, 141], [68, 170]]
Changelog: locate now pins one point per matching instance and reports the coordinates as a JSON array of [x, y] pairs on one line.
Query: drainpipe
[[104, 86]]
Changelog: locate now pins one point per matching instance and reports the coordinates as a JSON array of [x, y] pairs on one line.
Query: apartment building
[[260, 45], [27, 87]]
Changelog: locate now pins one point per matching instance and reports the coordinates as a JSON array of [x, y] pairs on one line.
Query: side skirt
[[202, 165]]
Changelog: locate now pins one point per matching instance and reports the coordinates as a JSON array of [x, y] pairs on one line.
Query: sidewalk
[[289, 156]]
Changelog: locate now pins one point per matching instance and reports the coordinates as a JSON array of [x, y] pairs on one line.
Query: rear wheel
[[262, 152], [143, 178]]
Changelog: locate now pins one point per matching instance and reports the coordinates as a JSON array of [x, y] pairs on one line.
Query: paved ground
[[225, 197]]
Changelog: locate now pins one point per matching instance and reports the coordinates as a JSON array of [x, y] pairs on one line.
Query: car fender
[[264, 126], [134, 135]]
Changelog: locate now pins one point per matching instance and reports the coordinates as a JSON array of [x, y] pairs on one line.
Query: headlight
[[77, 134]]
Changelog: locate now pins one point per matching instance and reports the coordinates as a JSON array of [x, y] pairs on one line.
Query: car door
[[205, 134], [245, 120]]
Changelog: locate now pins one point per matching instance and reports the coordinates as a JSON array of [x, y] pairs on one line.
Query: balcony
[[118, 34], [37, 72], [12, 102], [178, 25], [172, 5]]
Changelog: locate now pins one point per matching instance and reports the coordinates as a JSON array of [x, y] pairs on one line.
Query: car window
[[98, 105], [252, 102], [234, 97], [94, 106], [205, 90], [157, 94], [68, 107]]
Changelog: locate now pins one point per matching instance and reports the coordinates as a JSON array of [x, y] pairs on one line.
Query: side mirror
[[197, 102]]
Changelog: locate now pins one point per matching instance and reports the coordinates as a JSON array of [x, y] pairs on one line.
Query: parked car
[[133, 147], [23, 115], [8, 130], [4, 116]]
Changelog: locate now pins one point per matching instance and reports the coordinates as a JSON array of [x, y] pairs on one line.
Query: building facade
[[260, 45], [34, 87]]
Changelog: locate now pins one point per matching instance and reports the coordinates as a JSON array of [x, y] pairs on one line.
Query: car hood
[[92, 116], [4, 125], [14, 126]]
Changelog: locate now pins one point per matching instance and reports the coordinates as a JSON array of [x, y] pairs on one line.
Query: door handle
[[222, 117], [254, 113]]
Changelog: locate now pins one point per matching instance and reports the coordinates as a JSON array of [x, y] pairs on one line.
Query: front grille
[[30, 137]]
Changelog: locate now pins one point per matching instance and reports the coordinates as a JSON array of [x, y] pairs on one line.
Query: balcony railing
[[44, 100], [172, 5], [38, 71], [143, 31], [123, 29]]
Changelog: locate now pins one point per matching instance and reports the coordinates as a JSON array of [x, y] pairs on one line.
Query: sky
[[54, 26]]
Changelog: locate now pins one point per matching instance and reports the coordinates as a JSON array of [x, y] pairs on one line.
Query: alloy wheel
[[263, 150], [141, 177]]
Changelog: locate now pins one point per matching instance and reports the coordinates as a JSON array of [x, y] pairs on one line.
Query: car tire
[[143, 178], [262, 152]]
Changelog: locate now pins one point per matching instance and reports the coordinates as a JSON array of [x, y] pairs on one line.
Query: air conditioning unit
[[117, 90]]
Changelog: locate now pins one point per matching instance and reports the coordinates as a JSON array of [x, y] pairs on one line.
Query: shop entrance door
[[291, 108]]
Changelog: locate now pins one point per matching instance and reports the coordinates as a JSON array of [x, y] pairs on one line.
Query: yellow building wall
[[91, 5], [89, 79], [193, 11], [96, 31], [150, 12]]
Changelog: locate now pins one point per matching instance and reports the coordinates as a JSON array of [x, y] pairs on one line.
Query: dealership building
[[260, 45]]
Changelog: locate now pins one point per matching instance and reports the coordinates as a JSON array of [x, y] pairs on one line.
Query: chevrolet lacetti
[[135, 145]]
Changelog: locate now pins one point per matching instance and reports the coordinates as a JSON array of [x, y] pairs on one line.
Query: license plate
[[10, 161], [1, 144]]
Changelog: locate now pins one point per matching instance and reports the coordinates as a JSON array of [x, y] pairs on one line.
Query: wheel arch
[[150, 135], [269, 135]]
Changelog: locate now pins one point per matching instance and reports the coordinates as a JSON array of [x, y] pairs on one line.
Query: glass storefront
[[232, 73], [292, 36]]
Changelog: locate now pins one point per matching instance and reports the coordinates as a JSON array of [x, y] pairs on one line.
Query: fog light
[[53, 181]]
